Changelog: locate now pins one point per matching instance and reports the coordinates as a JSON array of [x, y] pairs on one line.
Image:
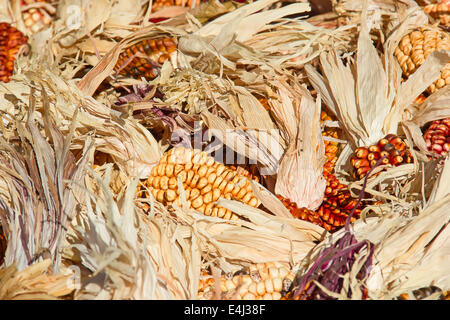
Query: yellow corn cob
[[204, 181], [262, 281], [36, 19], [440, 12], [416, 46]]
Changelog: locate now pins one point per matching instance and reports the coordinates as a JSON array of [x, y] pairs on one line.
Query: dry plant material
[[262, 281], [392, 147], [35, 17], [145, 58], [11, 40], [36, 282], [439, 11], [204, 181], [415, 47], [437, 137]]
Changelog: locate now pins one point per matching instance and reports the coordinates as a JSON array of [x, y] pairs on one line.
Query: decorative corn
[[440, 12], [437, 136], [36, 19], [334, 210], [390, 146], [11, 40], [145, 58], [262, 281], [416, 46], [159, 4], [331, 147], [204, 181]]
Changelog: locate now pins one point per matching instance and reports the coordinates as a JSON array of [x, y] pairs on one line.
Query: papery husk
[[128, 254], [415, 254], [383, 15], [42, 177], [36, 282], [299, 176]]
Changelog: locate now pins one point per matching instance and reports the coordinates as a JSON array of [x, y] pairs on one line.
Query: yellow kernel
[[155, 182], [209, 209], [161, 170], [227, 215], [221, 212], [189, 177], [229, 187], [253, 202], [169, 170], [214, 212], [267, 296], [202, 182], [206, 189], [178, 169], [268, 285], [160, 195], [194, 181], [276, 296], [196, 203], [164, 183], [260, 288], [249, 296], [277, 284], [170, 195], [216, 195], [202, 171], [212, 177], [173, 183], [195, 193], [207, 198]]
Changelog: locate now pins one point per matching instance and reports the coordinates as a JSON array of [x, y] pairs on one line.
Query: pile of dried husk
[[77, 231]]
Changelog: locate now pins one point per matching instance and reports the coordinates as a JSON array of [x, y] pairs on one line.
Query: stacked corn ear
[[11, 40], [440, 12], [331, 147], [262, 281], [392, 147], [416, 46], [437, 136], [35, 18], [204, 181], [145, 58]]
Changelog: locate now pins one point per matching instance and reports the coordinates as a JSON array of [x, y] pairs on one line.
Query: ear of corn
[[262, 281], [437, 136], [440, 12], [36, 19], [331, 147], [423, 293], [416, 46], [204, 181], [11, 40], [159, 4], [145, 58], [391, 146]]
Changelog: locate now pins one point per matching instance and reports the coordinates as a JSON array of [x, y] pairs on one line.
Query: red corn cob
[[145, 58], [437, 136], [11, 40]]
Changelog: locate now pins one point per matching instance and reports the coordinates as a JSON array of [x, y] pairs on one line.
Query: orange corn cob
[[11, 40], [204, 181], [145, 58], [36, 19], [331, 147], [440, 12], [416, 46], [262, 281]]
